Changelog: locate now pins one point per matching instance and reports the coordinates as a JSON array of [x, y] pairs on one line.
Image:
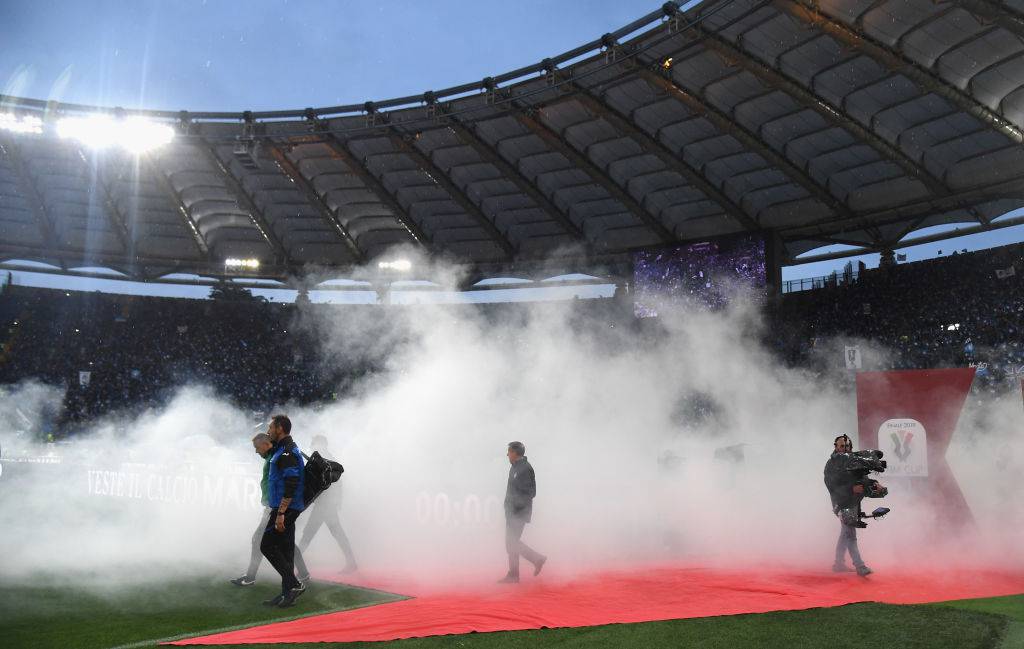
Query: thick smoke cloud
[[597, 401]]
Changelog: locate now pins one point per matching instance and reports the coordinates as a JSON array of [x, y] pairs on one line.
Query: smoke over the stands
[[620, 421]]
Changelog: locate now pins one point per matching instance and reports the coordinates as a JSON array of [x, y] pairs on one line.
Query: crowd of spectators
[[113, 352], [957, 310], [116, 352]]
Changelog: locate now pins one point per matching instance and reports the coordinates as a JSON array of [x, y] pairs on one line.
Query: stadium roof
[[850, 122]]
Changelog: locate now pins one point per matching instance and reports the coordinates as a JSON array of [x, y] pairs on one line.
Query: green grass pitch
[[44, 614]]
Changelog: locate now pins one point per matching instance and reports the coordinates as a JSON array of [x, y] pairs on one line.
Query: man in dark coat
[[325, 512], [519, 495], [845, 493]]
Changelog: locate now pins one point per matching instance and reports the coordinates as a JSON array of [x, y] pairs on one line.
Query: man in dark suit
[[519, 495]]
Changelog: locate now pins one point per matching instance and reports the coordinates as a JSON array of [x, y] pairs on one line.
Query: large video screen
[[697, 275]]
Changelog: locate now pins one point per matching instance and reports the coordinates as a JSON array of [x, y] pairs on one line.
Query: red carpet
[[648, 595]]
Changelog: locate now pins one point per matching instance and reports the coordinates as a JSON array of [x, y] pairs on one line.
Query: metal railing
[[826, 281]]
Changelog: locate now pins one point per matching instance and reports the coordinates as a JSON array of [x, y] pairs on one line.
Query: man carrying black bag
[[286, 478]]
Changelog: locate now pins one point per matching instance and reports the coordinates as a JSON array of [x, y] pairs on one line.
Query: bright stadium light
[[251, 264], [140, 135], [398, 264], [134, 134], [23, 124]]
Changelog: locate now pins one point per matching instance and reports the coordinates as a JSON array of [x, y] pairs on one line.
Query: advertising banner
[[911, 416]]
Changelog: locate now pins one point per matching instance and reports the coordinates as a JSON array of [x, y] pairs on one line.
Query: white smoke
[[596, 399]]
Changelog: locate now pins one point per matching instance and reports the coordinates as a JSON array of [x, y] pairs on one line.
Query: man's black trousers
[[279, 548], [256, 555]]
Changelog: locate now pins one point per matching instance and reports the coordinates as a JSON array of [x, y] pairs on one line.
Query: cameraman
[[845, 493]]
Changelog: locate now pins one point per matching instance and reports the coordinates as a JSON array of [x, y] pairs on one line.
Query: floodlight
[[134, 134], [398, 264], [252, 264]]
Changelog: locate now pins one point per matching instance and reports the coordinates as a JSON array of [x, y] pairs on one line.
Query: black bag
[[321, 473]]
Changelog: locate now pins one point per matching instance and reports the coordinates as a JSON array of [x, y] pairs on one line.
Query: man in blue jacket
[[285, 483]]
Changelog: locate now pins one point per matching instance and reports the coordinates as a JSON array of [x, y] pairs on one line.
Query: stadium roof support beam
[[439, 176], [809, 12], [314, 199], [558, 143], [468, 135], [359, 169], [117, 220], [910, 227], [726, 124], [280, 253], [841, 240], [168, 188], [772, 77], [984, 220], [996, 13], [916, 223], [671, 159], [35, 201]]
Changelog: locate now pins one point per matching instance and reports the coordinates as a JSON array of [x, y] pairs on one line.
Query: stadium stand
[[956, 310], [951, 311], [137, 348]]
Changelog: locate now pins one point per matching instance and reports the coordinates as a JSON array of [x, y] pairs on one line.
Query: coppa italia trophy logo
[[902, 449], [907, 443]]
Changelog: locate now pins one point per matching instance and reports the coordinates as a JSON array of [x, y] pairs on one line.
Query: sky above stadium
[[274, 54]]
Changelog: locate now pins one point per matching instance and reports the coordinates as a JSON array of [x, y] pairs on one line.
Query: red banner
[[911, 416]]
